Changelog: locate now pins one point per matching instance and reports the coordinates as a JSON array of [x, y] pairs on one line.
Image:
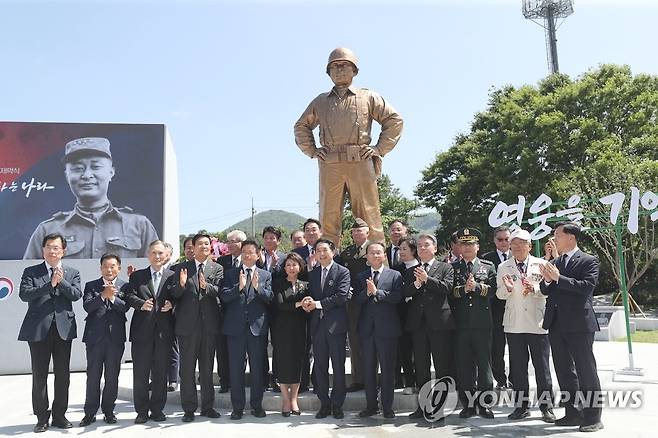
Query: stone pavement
[[16, 418]]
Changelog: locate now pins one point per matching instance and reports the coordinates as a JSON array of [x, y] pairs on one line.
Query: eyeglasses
[[54, 248]]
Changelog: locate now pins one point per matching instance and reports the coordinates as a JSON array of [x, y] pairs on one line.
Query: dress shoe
[[40, 427], [172, 387], [297, 412], [338, 413], [61, 423], [223, 389], [417, 414], [389, 414], [285, 413], [519, 413], [87, 420], [408, 390], [141, 419], [591, 427], [569, 420], [323, 413], [368, 413], [110, 418], [354, 387], [210, 413], [547, 415], [158, 416], [188, 417], [236, 415], [485, 412], [467, 413], [258, 413]]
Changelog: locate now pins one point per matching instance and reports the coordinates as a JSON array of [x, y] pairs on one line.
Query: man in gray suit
[[49, 326]]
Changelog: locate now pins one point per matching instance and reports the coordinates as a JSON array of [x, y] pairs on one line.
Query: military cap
[[88, 145], [359, 223], [520, 234], [468, 235]]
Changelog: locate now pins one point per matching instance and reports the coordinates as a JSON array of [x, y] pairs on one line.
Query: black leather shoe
[[519, 413], [61, 423], [338, 413], [569, 420], [172, 387], [467, 413], [323, 413], [354, 387], [40, 427], [389, 414], [547, 416], [188, 417], [158, 416], [258, 413], [110, 418], [591, 427], [485, 412], [297, 412], [223, 389], [87, 420], [285, 413], [416, 415], [210, 413], [141, 419], [236, 415], [368, 413]]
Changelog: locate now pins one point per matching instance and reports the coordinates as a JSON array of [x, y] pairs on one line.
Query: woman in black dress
[[409, 259], [290, 331]]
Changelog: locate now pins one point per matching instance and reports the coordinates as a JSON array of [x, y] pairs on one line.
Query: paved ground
[[16, 418]]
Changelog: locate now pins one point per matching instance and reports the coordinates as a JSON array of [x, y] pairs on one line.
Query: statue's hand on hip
[[367, 152], [321, 153]]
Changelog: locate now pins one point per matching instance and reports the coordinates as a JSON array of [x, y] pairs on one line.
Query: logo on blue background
[[6, 288]]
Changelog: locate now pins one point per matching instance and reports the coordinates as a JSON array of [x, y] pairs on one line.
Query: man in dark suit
[[312, 232], [397, 230], [502, 253], [329, 285], [429, 317], [569, 283], [196, 286], [232, 260], [151, 333], [247, 292], [49, 326], [105, 339], [379, 289]]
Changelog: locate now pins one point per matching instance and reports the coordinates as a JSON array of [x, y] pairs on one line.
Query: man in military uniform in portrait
[[94, 226], [347, 161], [475, 285], [354, 259]]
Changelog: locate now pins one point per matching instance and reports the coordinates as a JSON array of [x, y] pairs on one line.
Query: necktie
[[521, 268], [562, 260], [375, 277], [426, 266], [52, 272], [469, 267], [156, 282], [504, 256], [396, 256], [324, 277], [200, 269], [248, 285], [236, 262]]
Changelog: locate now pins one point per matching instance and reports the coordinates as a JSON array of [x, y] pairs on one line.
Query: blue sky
[[230, 78]]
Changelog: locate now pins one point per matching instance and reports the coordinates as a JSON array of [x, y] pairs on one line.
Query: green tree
[[545, 139], [393, 205]]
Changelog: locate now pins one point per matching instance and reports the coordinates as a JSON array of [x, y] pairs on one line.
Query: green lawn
[[643, 336]]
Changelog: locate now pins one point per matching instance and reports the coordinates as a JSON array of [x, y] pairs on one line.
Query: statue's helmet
[[343, 54]]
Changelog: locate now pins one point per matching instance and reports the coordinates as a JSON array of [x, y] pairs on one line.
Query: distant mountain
[[427, 223], [278, 218]]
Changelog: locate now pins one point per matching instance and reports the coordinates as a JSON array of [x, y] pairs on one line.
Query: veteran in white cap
[[518, 280], [94, 226]]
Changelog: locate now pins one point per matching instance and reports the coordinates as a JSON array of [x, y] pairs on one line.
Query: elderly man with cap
[[475, 284], [518, 280], [347, 161], [354, 259], [94, 226]]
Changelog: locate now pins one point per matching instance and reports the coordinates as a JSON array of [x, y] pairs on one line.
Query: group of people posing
[[402, 308]]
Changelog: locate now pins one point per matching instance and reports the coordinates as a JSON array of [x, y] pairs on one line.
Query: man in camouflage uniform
[[94, 226], [347, 162], [475, 284]]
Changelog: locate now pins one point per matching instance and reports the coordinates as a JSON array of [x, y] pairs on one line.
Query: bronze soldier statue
[[347, 161]]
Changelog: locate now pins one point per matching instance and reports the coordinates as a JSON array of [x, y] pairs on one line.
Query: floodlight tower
[[549, 11]]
